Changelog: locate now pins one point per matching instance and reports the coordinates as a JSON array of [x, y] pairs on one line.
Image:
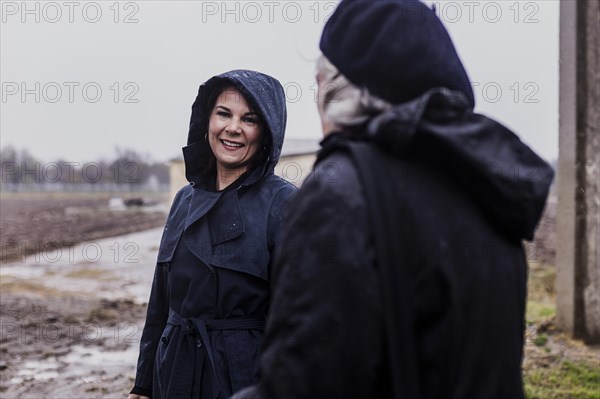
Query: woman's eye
[[222, 114], [250, 120]]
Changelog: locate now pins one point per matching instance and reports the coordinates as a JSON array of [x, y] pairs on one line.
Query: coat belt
[[194, 334]]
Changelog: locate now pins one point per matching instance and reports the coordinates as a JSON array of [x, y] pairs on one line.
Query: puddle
[[112, 268], [99, 357], [138, 293], [38, 370], [82, 362]]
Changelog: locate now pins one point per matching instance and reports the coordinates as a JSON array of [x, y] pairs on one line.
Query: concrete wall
[[578, 218]]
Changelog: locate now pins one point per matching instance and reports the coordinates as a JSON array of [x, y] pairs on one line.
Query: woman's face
[[234, 131]]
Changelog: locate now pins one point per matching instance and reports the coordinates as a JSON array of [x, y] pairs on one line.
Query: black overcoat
[[210, 293], [449, 322]]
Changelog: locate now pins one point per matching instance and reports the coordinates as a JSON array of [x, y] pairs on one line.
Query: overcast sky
[[82, 78]]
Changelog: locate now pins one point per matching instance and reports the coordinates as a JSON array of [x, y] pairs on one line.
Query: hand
[[133, 396]]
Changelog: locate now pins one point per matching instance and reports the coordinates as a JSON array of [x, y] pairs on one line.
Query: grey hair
[[344, 104]]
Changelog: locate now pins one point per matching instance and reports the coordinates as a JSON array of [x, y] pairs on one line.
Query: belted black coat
[[210, 294]]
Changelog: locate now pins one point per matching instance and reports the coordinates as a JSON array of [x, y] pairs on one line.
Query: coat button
[[198, 343], [165, 340]]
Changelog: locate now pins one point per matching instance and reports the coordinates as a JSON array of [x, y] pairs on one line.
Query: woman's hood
[[508, 180], [264, 93]]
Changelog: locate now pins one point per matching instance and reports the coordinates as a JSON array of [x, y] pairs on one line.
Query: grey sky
[[148, 70]]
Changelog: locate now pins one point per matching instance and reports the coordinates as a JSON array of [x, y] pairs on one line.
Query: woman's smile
[[231, 145]]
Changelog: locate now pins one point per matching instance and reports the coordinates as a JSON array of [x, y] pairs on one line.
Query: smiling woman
[[210, 294]]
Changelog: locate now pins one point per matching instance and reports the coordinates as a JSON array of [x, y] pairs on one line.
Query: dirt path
[[71, 328]]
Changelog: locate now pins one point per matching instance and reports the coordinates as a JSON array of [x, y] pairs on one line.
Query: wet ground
[[70, 319], [42, 222]]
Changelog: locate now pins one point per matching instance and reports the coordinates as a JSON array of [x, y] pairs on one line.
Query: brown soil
[[34, 222], [58, 343], [43, 334]]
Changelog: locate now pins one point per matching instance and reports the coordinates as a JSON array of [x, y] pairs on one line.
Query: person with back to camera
[[210, 293], [402, 272]]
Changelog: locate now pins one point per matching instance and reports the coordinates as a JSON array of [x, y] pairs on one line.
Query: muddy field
[[71, 313], [71, 328], [38, 222], [57, 347]]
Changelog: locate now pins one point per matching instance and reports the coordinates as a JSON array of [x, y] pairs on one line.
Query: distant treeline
[[128, 169]]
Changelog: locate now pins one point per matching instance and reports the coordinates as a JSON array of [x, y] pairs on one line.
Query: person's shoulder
[[182, 193], [333, 184], [278, 182], [334, 174], [179, 198], [280, 193], [279, 186]]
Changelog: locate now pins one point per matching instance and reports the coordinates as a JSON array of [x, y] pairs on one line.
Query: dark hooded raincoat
[[441, 313], [210, 293]]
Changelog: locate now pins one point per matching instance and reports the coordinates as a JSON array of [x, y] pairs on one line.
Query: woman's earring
[[206, 136]]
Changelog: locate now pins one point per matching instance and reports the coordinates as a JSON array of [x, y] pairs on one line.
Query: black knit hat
[[398, 49]]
